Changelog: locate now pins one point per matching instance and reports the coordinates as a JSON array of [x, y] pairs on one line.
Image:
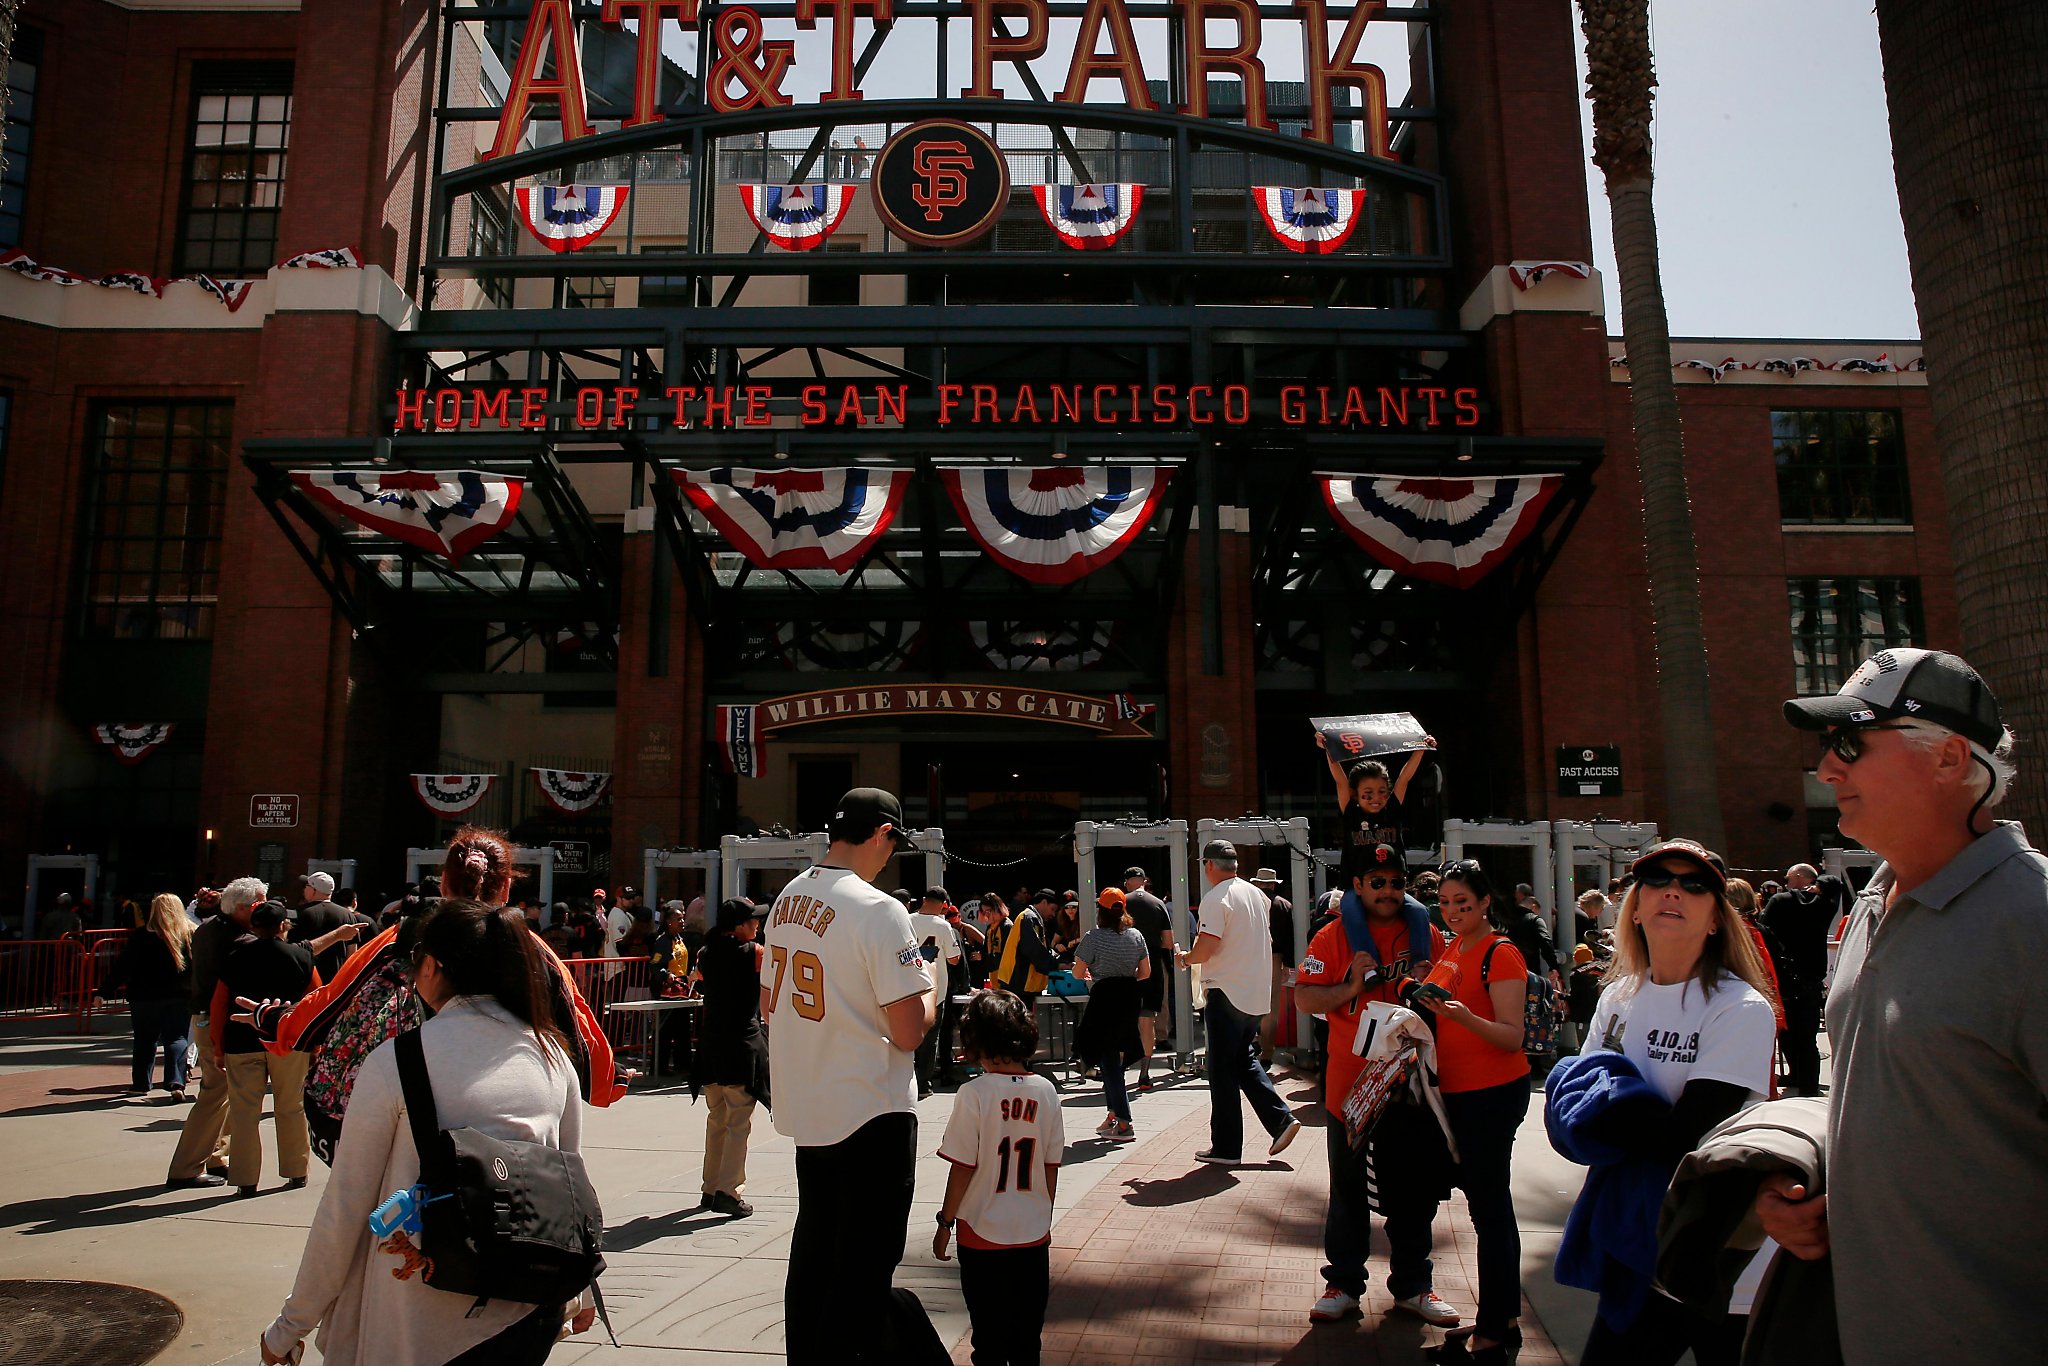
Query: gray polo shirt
[[1938, 1140]]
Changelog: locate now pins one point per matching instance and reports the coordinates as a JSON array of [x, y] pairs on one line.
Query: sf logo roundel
[[941, 184]]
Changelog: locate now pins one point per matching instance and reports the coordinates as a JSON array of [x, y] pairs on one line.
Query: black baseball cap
[[863, 807], [1379, 858], [267, 915], [1219, 851], [733, 911], [1911, 684], [937, 894], [1132, 872], [1045, 894], [1686, 851]]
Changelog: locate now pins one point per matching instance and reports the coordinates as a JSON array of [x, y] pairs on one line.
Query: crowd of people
[[1443, 1006]]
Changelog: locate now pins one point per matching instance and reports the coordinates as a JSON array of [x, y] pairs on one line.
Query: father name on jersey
[[808, 911]]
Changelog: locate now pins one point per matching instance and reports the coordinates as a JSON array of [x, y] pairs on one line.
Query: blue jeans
[[161, 1025], [1113, 1094], [1347, 1225], [1484, 1123], [1234, 1068]]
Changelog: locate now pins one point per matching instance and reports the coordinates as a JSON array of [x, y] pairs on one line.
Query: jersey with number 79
[[839, 951]]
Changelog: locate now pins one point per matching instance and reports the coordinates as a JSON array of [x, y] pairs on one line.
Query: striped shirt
[[1112, 953]]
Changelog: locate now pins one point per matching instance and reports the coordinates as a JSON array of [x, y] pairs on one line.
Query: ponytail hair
[[489, 951], [478, 866]]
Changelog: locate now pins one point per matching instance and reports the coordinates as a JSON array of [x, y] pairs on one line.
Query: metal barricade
[[44, 979], [602, 981]]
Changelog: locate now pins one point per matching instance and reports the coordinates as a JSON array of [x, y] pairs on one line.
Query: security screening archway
[[1261, 832], [1610, 846], [1840, 861], [32, 906], [706, 861], [1091, 837], [739, 854], [420, 862], [1462, 837], [342, 870]]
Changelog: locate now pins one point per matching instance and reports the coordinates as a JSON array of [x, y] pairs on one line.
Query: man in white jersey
[[848, 999], [939, 944]]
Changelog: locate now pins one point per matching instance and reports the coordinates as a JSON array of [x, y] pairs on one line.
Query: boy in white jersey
[[848, 999], [1005, 1141]]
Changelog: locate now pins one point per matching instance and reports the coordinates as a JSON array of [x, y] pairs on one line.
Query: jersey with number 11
[[839, 951]]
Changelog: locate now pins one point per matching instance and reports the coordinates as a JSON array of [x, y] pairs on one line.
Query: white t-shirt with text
[[1242, 967], [941, 933], [1680, 1033], [1007, 1127], [838, 951]]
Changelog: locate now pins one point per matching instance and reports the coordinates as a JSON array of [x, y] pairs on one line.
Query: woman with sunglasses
[[1684, 1002], [498, 1064], [1477, 991]]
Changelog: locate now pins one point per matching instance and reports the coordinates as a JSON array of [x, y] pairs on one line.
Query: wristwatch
[[944, 1222]]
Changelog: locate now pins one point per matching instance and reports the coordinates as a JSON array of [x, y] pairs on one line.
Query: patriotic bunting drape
[[738, 741], [571, 793], [797, 217], [797, 519], [451, 794], [232, 293], [1089, 217], [1789, 366], [1312, 221], [448, 513], [1054, 525], [1449, 531], [568, 217], [1527, 274], [133, 741]]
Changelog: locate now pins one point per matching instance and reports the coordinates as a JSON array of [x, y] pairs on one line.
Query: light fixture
[[209, 835], [380, 451], [1465, 449], [1058, 453]]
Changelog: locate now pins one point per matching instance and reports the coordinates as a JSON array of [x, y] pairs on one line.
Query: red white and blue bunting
[[568, 217], [1089, 217], [571, 793], [448, 513], [1129, 708], [133, 741], [797, 217], [1448, 531], [232, 293], [1308, 220], [451, 794], [797, 519], [739, 742], [1529, 274], [1054, 525], [1792, 366]]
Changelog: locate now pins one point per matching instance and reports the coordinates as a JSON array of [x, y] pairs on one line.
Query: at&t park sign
[[747, 71]]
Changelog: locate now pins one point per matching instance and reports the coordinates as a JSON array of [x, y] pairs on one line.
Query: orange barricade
[[54, 978], [605, 980]]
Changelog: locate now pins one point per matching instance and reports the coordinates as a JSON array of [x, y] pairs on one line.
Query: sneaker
[[1123, 1133], [1108, 1124], [1216, 1159], [1283, 1138], [188, 1182], [1430, 1309], [1144, 1084], [1334, 1305], [722, 1203], [296, 1183]]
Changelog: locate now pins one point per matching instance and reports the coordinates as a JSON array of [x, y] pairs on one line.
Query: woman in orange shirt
[[1476, 991]]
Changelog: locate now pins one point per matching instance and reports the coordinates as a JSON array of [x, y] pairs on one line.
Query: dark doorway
[[820, 783]]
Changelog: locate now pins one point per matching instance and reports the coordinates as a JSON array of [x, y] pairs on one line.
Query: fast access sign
[[1589, 770]]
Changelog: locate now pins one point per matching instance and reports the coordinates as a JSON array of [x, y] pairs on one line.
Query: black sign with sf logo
[[941, 184]]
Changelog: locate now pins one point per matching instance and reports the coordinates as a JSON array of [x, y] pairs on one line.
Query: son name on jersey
[[1022, 1110]]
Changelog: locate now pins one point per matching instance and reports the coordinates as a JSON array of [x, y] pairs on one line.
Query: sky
[[1777, 213]]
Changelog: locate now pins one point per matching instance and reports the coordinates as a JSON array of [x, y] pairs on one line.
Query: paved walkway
[[1155, 1257]]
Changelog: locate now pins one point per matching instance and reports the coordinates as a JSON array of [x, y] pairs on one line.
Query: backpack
[[499, 1218], [1540, 1007]]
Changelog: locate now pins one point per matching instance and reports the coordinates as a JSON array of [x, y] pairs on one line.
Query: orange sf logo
[[942, 169]]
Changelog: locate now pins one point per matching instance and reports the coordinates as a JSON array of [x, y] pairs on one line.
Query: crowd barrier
[[59, 979]]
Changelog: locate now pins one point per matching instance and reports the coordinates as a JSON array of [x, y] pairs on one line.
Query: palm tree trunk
[[1966, 84], [7, 11], [1619, 81]]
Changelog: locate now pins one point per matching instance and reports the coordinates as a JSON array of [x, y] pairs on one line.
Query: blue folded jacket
[[1610, 1237]]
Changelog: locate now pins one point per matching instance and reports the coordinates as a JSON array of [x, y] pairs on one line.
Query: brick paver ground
[[1167, 1260]]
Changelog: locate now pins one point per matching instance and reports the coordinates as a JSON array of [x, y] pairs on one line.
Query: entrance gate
[[1262, 831], [705, 861], [1090, 837], [420, 862], [342, 870], [740, 853], [1535, 836], [1610, 846], [38, 864]]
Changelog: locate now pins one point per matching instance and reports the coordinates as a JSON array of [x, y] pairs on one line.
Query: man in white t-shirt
[[847, 998], [939, 945], [1232, 947]]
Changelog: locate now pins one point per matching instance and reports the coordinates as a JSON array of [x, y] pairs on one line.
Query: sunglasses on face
[[1380, 884], [1845, 745], [1693, 884]]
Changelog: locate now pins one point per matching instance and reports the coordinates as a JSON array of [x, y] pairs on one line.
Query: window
[[838, 289], [591, 291], [1838, 623], [27, 58], [1840, 467], [234, 175], [158, 487], [490, 234]]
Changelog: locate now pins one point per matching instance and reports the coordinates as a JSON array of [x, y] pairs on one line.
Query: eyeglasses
[[1844, 745], [1693, 884], [1458, 866], [1380, 884]]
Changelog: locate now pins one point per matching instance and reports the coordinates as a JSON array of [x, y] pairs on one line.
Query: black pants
[[852, 1210], [526, 1343], [1662, 1333], [1484, 1123], [949, 1021], [1234, 1069], [1006, 1290], [1801, 1046], [926, 1059], [1347, 1224], [673, 1041]]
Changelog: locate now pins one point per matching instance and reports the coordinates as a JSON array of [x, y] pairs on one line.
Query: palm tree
[[7, 9], [1619, 79], [1964, 82]]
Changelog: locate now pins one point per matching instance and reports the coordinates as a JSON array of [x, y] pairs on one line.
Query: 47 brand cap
[[1903, 684]]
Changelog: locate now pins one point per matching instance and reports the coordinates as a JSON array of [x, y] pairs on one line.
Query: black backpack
[[502, 1219]]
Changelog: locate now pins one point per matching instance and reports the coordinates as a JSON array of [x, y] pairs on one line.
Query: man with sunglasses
[[1938, 1120]]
